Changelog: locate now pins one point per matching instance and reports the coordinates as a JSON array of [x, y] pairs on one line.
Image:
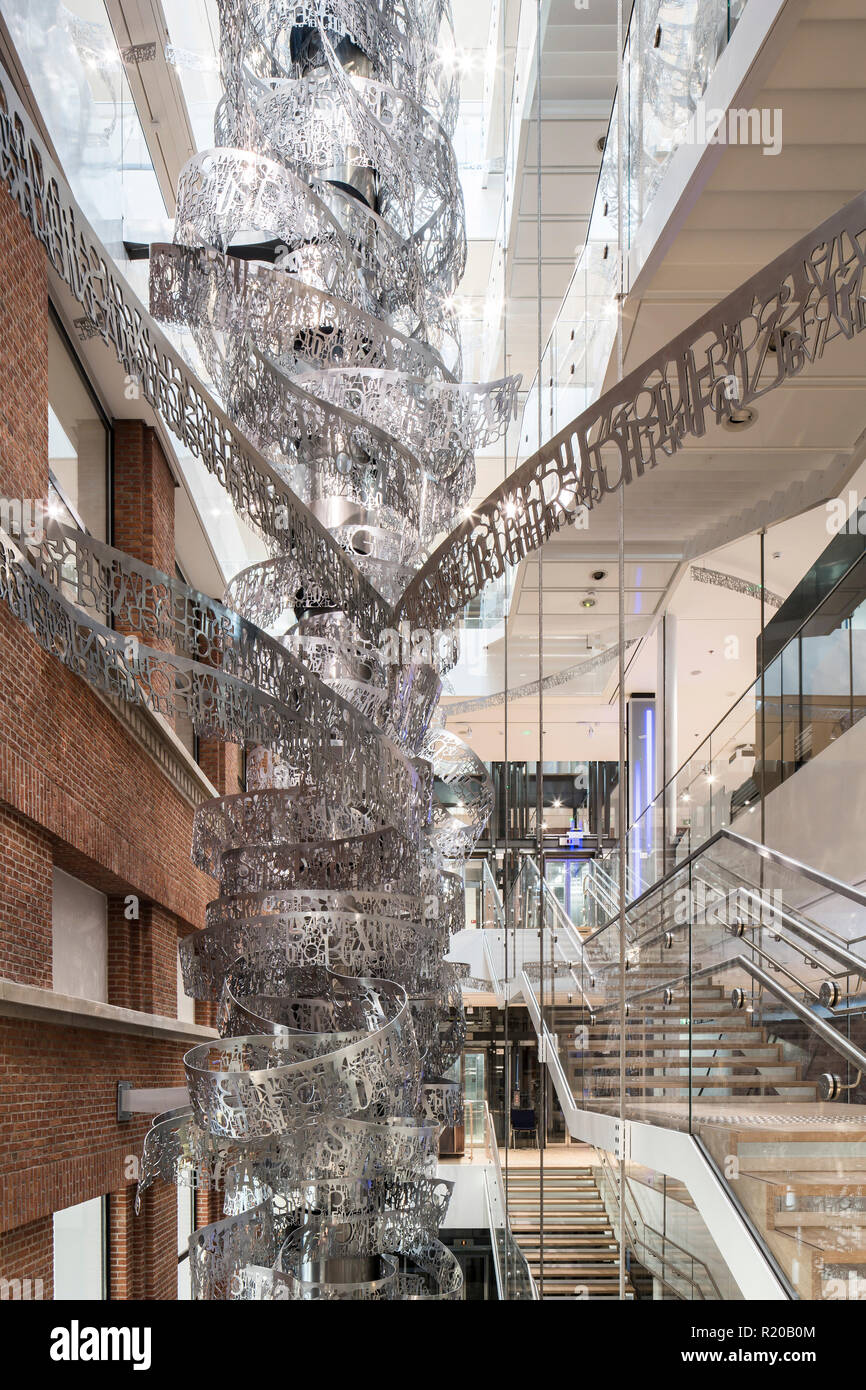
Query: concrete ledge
[[64, 1010]]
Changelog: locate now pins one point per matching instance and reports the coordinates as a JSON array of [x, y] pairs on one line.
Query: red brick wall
[[28, 1253], [67, 764], [59, 1134], [143, 496], [221, 764], [25, 900], [76, 789], [23, 357], [142, 959], [143, 1248]]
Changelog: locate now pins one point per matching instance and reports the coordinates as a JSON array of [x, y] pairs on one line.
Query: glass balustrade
[[513, 1277], [743, 1022], [670, 1253]]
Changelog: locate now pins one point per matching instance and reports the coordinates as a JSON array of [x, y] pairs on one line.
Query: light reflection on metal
[[341, 359], [735, 584], [366, 127]]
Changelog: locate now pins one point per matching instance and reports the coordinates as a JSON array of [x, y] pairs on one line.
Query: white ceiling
[[739, 209], [743, 209]]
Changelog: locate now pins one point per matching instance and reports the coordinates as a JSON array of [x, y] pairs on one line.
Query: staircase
[[581, 1253], [730, 1057], [801, 1176], [723, 1037]]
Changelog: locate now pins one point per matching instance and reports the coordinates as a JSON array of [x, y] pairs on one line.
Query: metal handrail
[[492, 1150], [819, 941], [663, 1237], [564, 922], [818, 1025], [775, 856], [852, 964]]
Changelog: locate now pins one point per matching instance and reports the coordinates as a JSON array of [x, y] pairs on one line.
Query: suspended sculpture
[[331, 339], [316, 254]]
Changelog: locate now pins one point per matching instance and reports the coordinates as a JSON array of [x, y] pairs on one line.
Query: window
[[80, 1263], [78, 442], [185, 1228], [185, 1003], [79, 929]]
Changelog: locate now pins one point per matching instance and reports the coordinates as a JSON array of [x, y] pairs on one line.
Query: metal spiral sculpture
[[316, 254]]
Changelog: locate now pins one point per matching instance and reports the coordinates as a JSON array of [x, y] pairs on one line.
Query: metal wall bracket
[[123, 1089], [622, 1139]]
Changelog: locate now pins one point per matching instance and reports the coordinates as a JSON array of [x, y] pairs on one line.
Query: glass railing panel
[[795, 1161], [826, 709], [513, 1277], [672, 48], [745, 1023], [669, 1253], [730, 778], [736, 863]]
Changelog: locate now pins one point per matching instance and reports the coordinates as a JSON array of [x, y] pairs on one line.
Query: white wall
[[185, 1002], [467, 1209], [817, 816], [79, 929], [79, 1249]]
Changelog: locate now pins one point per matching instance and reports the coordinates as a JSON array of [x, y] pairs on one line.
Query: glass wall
[[70, 55]]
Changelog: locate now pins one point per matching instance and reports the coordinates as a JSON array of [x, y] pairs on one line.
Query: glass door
[[474, 1092]]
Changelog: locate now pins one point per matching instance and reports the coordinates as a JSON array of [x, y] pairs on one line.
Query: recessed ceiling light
[[599, 574], [696, 673], [740, 418]]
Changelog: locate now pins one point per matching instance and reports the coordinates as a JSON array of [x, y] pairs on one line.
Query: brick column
[[144, 519], [23, 358], [158, 1217], [208, 1207], [26, 947], [142, 958], [122, 1281], [221, 764], [143, 1248], [143, 496]]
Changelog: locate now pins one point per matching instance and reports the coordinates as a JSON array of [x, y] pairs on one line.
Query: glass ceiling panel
[[70, 56]]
